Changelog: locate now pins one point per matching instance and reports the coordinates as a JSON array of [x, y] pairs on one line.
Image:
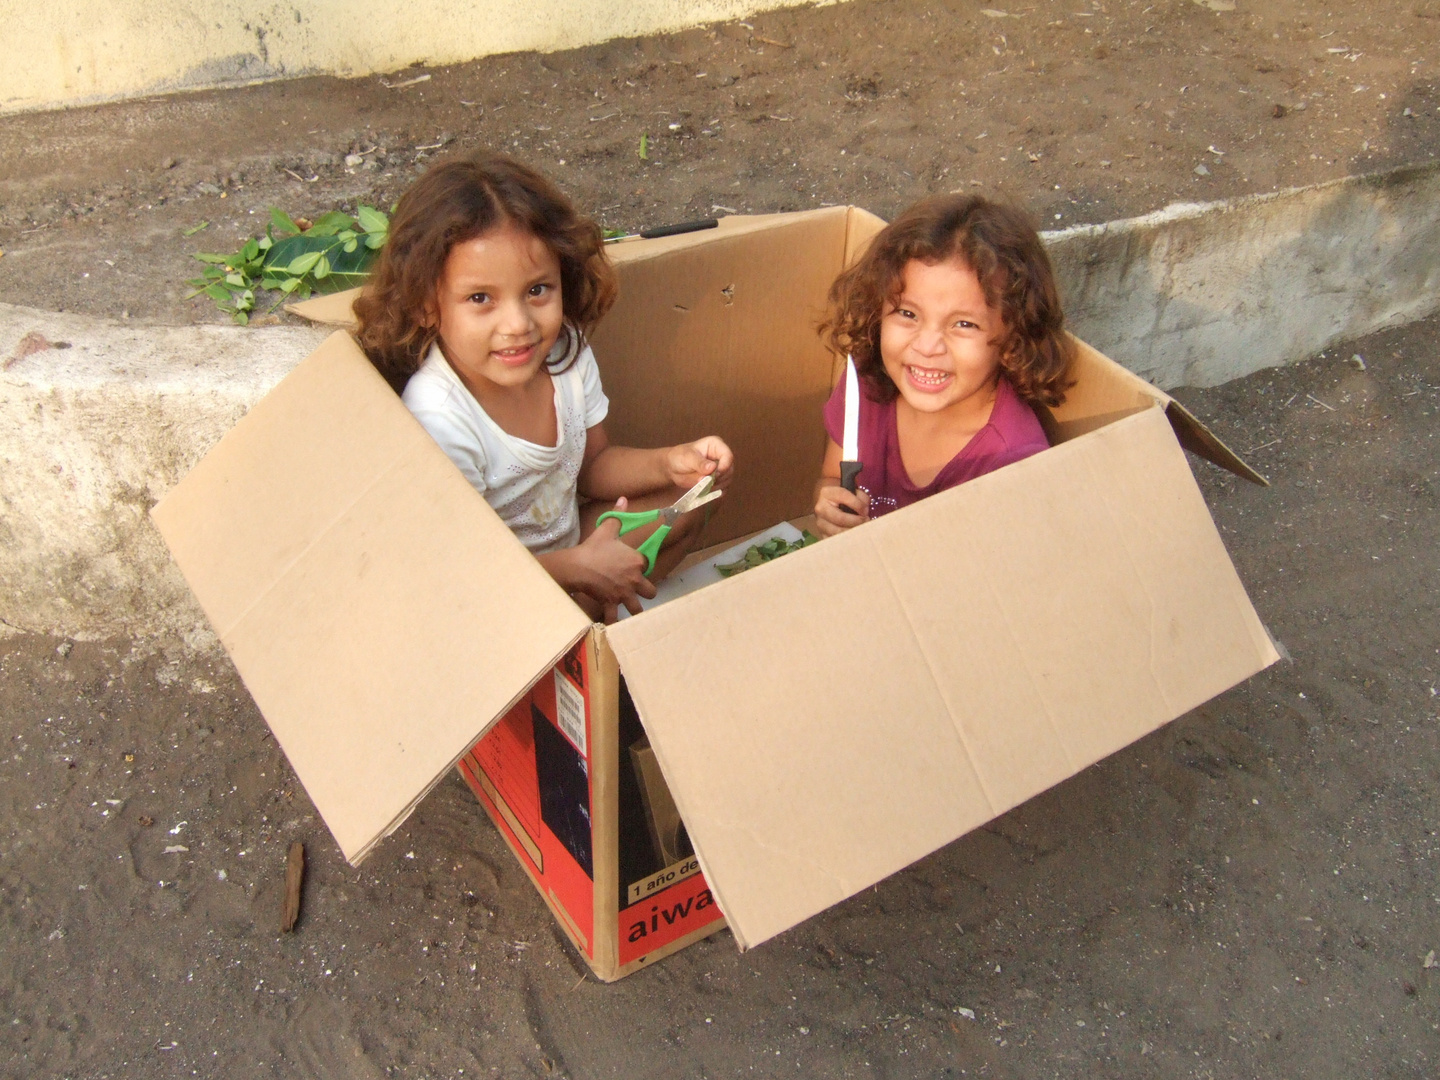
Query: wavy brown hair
[[457, 201], [1000, 244]]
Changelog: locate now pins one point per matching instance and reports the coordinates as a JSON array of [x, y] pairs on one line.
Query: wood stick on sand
[[294, 878]]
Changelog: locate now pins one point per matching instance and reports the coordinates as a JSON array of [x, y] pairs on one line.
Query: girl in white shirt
[[477, 313]]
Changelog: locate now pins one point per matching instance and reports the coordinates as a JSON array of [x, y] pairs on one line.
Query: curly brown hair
[[1000, 244], [457, 201]]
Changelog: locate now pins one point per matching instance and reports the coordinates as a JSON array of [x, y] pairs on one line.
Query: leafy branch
[[773, 548], [294, 258]]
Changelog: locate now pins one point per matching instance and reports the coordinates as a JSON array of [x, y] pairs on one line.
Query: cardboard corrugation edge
[[604, 694]]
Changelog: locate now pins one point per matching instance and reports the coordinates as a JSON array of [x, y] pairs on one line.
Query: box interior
[[822, 720]]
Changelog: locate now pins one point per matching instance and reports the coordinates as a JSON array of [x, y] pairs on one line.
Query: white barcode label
[[570, 711]]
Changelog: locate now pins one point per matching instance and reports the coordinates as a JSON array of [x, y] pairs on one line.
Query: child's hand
[[830, 518], [687, 463], [614, 572]]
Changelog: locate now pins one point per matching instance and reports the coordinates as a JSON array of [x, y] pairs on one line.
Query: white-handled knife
[[850, 465]]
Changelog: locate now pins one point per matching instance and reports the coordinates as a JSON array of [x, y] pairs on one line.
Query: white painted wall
[[77, 52]]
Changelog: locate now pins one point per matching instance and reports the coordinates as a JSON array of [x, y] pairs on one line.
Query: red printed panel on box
[[661, 912], [532, 773]]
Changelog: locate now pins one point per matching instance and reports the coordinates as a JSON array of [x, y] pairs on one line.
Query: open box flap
[[1105, 389], [380, 613], [826, 719], [1201, 441], [332, 309]]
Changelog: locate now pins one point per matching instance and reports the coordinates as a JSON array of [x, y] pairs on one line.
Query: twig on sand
[[294, 878]]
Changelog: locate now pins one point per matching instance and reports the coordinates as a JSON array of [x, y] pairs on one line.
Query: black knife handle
[[849, 477], [676, 230]]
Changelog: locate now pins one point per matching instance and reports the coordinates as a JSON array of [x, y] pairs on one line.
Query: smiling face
[[499, 310], [939, 340]]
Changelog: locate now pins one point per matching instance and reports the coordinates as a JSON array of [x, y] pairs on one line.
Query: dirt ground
[[1086, 111], [1251, 891]]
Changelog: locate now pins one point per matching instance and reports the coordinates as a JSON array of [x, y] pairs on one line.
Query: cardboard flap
[[332, 309], [887, 691], [1104, 391], [861, 227], [1201, 441], [380, 613]]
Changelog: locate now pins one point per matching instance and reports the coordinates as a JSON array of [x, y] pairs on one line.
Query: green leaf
[[328, 256], [196, 228], [339, 280], [330, 223], [371, 220], [303, 264], [282, 222], [242, 317], [644, 147]]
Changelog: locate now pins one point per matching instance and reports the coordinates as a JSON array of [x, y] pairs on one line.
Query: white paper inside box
[[822, 720]]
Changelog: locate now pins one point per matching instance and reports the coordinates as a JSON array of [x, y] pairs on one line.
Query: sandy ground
[[1251, 891], [1085, 111]]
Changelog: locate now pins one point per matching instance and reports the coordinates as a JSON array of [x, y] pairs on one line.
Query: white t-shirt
[[531, 487]]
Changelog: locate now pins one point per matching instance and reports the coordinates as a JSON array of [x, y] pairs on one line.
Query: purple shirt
[[1013, 433]]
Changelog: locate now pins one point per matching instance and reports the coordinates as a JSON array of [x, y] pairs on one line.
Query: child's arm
[[610, 472], [602, 566], [830, 497]]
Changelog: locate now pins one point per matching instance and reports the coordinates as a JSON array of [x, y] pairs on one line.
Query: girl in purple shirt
[[953, 320]]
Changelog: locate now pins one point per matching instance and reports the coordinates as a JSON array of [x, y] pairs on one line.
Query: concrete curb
[[1199, 294], [92, 434]]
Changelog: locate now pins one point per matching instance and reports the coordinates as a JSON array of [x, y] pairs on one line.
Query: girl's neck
[[930, 440], [526, 411]]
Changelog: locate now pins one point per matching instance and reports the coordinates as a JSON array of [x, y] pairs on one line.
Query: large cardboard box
[[822, 721]]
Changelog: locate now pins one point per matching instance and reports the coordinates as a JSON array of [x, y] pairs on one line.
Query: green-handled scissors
[[698, 495]]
